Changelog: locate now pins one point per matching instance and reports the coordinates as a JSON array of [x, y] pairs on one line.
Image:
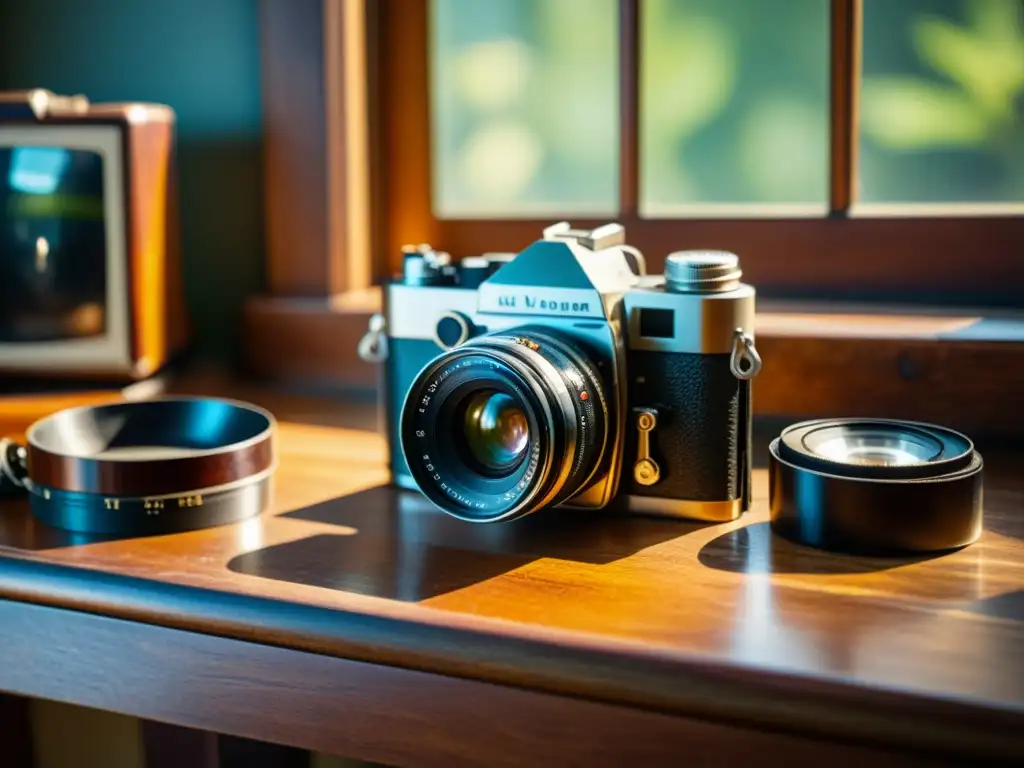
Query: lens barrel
[[505, 424], [875, 486]]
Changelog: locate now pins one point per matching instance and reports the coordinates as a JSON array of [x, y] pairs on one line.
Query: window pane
[[942, 102], [734, 107], [525, 107]]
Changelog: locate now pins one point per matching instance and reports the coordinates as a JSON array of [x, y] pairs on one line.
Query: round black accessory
[[153, 466], [505, 424], [875, 486], [13, 467]]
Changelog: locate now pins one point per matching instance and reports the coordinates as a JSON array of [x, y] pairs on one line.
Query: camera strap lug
[[744, 362], [646, 470], [373, 347], [13, 467]]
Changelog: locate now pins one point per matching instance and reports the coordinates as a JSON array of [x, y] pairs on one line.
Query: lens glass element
[[866, 445], [496, 430]]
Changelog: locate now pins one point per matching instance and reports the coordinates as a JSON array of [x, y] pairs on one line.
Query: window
[[734, 108], [942, 106], [718, 123], [524, 115], [846, 149]]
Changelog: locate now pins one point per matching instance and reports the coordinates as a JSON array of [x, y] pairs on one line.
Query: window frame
[[347, 152], [316, 77]]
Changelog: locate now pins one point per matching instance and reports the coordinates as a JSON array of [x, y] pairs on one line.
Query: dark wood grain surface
[[361, 710], [720, 622]]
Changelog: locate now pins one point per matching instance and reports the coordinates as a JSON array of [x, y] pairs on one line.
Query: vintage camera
[[565, 376]]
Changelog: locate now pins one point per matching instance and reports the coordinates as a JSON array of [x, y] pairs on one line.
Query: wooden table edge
[[762, 699], [192, 685]]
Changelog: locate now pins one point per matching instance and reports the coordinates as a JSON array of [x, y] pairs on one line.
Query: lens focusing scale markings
[[145, 467]]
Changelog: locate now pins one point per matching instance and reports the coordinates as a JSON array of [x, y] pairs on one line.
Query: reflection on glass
[[942, 102], [524, 107], [37, 170], [734, 107], [53, 254]]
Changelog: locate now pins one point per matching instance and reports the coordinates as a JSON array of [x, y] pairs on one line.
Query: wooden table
[[354, 619]]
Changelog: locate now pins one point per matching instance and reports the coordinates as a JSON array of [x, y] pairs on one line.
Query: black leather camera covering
[[702, 438]]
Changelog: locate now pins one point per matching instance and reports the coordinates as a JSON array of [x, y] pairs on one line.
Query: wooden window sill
[[958, 368]]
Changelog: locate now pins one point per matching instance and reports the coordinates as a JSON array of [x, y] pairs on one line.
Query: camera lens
[[505, 424], [496, 431]]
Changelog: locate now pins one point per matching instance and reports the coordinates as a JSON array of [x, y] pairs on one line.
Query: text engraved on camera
[[543, 304]]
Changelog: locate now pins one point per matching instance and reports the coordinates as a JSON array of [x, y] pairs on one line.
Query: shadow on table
[[21, 530], [755, 549], [405, 549], [1009, 605]]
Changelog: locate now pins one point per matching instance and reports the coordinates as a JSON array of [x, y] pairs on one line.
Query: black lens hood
[[142, 467], [925, 507]]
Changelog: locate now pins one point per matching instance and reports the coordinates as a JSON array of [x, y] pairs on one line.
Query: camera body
[[632, 389]]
